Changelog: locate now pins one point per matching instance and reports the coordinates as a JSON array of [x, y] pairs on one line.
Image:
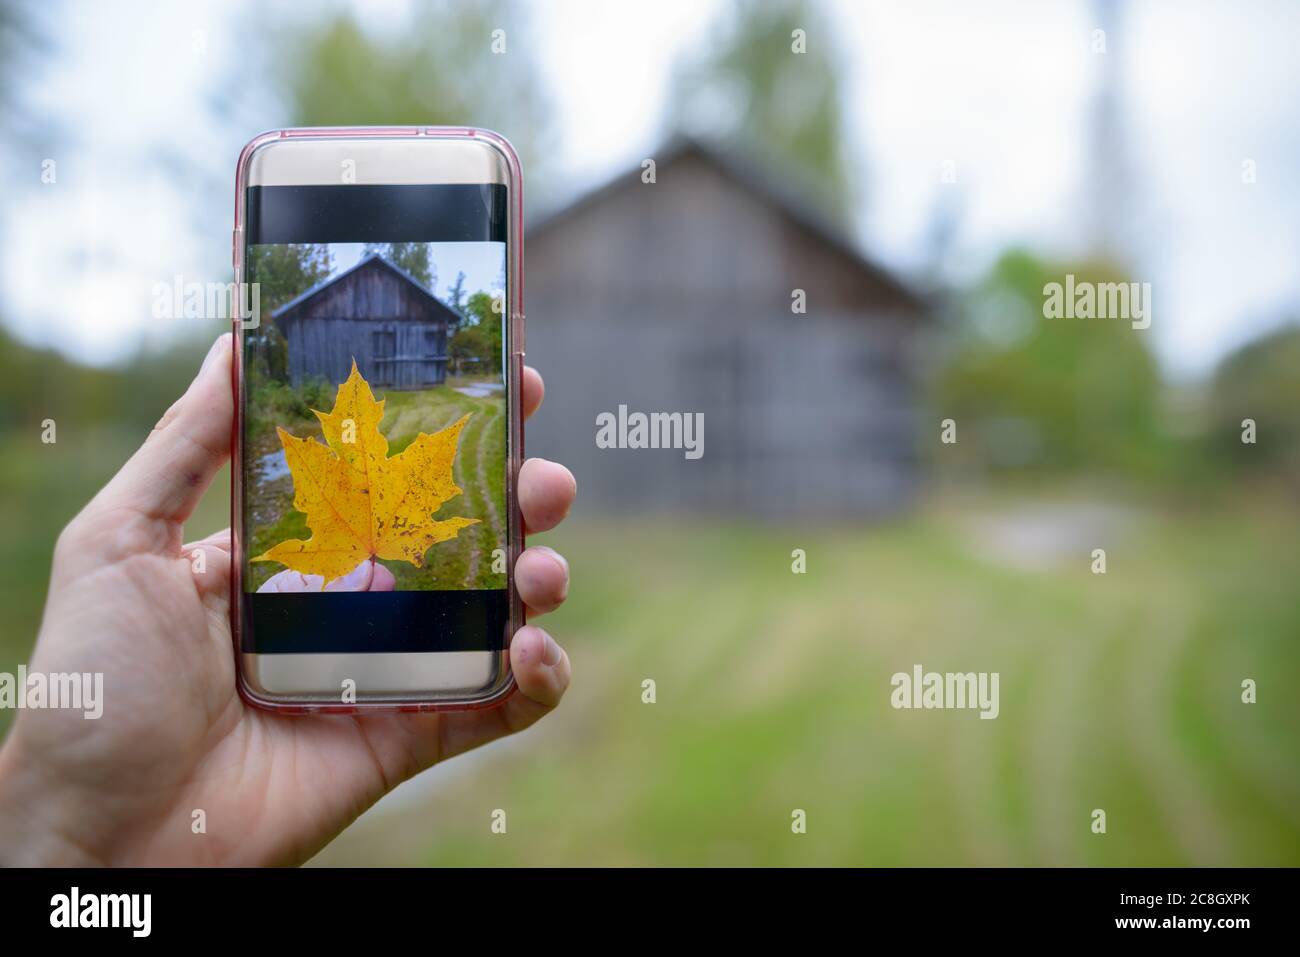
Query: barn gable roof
[[758, 180], [364, 261]]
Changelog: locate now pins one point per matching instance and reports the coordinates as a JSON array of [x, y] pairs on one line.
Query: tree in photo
[[414, 259], [282, 272], [476, 346], [456, 295]]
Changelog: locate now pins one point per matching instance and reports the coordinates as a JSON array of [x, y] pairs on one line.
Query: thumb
[[164, 480]]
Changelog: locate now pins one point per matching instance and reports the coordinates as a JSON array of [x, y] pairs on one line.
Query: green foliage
[[282, 273], [470, 350], [273, 402], [1260, 381], [285, 271], [415, 259], [753, 86], [479, 339], [481, 310], [1050, 394]]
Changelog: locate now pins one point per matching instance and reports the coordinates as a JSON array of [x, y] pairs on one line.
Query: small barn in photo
[[375, 313], [682, 295]]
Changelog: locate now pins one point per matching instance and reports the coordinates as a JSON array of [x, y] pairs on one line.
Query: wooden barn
[[676, 296], [375, 313]]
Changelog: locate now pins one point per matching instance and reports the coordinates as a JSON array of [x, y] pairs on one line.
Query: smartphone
[[378, 435]]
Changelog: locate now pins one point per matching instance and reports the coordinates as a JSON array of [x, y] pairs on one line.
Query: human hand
[[175, 737]]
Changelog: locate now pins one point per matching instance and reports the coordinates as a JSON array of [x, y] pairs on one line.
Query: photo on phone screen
[[374, 437]]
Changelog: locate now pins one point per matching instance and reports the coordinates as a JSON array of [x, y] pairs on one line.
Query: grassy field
[[463, 562], [1118, 691]]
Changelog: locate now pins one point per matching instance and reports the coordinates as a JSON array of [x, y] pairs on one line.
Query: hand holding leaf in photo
[[360, 503]]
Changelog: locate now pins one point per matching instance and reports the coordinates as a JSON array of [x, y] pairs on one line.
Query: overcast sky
[[1001, 89]]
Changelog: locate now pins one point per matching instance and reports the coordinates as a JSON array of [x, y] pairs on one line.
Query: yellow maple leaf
[[359, 502]]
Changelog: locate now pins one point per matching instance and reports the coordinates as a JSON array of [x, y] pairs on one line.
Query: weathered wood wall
[[325, 348], [396, 334], [675, 297]]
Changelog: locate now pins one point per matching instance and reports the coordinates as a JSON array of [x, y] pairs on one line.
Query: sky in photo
[[480, 262]]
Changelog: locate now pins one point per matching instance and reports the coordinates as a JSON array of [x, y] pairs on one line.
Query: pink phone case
[[515, 430]]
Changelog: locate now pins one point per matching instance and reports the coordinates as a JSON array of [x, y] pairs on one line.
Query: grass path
[[483, 463], [467, 477], [1167, 772], [479, 470]]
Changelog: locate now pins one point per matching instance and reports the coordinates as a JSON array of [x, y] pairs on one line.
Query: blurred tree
[[25, 43], [416, 259], [36, 384], [1261, 382], [1050, 394], [447, 66], [772, 82]]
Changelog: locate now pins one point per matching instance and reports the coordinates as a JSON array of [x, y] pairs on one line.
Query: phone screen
[[374, 425]]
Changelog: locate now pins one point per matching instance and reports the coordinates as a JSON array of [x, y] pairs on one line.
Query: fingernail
[[557, 556], [561, 562], [551, 653], [356, 580], [222, 343]]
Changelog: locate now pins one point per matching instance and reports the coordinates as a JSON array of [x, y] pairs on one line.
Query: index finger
[[166, 477]]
